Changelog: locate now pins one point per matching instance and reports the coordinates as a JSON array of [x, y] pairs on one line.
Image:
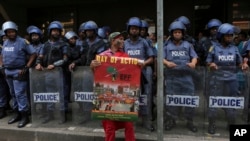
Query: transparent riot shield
[[82, 96], [184, 101], [227, 100], [47, 100]]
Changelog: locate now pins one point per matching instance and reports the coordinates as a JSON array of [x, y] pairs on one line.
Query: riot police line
[[199, 103], [59, 84]]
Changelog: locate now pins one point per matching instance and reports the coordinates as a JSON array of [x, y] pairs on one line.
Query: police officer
[[223, 59], [212, 27], [144, 34], [35, 37], [55, 54], [96, 45], [179, 57], [76, 52], [75, 55], [137, 47], [14, 59]]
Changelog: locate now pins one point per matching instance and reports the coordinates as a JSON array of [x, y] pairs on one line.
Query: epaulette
[[211, 49], [26, 41]]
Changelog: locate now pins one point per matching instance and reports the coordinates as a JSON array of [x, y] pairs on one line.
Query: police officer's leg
[[17, 116], [147, 86], [189, 112], [3, 98], [20, 87], [50, 86], [171, 112], [232, 87], [216, 88]]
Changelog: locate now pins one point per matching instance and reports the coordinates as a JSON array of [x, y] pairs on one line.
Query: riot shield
[[227, 100], [47, 100], [82, 95], [184, 101]]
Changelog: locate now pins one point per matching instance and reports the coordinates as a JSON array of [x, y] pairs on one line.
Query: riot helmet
[[144, 24], [213, 23], [70, 34], [81, 27], [55, 25], [134, 21], [184, 20], [90, 25], [9, 25], [33, 29], [176, 25], [101, 33], [227, 28]]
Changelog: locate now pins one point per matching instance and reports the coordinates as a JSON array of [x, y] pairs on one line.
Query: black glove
[[24, 70]]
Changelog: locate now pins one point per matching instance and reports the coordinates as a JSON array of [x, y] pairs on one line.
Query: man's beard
[[55, 37], [35, 42]]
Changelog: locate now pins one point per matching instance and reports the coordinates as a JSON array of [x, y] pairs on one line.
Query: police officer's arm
[[210, 59], [149, 61], [241, 63], [194, 57], [166, 62], [149, 53], [169, 64], [32, 58]]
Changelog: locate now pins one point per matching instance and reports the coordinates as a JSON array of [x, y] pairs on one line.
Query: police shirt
[[226, 58], [15, 53], [139, 49], [181, 54], [38, 48]]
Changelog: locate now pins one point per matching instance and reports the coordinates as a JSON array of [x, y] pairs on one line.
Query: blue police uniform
[[178, 80], [38, 48], [14, 59], [223, 82], [141, 50]]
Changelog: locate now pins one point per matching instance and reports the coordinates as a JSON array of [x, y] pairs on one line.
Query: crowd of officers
[[182, 53]]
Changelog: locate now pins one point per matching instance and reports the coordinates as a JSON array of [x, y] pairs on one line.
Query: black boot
[[191, 126], [63, 118], [170, 124], [211, 126], [2, 112], [15, 118], [48, 117], [25, 119]]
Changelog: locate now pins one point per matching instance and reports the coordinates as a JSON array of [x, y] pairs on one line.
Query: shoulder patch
[[26, 41], [211, 49]]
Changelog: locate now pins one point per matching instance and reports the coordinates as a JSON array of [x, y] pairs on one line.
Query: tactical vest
[[53, 53]]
